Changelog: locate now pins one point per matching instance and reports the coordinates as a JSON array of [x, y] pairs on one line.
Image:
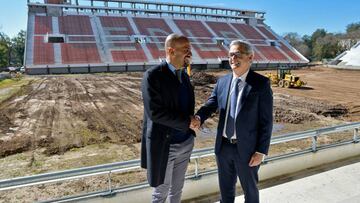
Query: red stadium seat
[[43, 25], [157, 30], [122, 48], [271, 53], [43, 52], [78, 53], [267, 33], [290, 53], [201, 39], [247, 31]]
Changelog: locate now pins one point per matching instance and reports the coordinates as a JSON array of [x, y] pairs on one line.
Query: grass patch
[[9, 87]]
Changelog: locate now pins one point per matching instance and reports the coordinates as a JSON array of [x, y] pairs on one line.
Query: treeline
[[324, 45], [12, 49]]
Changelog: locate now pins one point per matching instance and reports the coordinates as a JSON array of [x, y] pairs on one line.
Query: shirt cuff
[[198, 117], [264, 155]]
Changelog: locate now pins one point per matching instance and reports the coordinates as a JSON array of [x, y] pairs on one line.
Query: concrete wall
[[208, 184]]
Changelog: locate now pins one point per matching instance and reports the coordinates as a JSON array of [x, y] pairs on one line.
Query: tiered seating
[[248, 31], [271, 53], [73, 53], [201, 39], [223, 29], [118, 36], [43, 52], [257, 57], [43, 24], [266, 32], [76, 51], [157, 30], [118, 31], [75, 25], [290, 53]]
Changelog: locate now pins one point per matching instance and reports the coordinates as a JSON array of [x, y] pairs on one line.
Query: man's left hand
[[256, 159]]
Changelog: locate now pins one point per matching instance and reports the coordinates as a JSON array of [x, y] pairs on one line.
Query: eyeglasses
[[236, 54]]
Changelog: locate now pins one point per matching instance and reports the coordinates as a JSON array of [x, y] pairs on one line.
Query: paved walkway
[[340, 185]]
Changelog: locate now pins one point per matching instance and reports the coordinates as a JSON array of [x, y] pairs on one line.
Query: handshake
[[195, 122]]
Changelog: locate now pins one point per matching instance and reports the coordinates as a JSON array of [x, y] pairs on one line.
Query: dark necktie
[[178, 74], [234, 92]]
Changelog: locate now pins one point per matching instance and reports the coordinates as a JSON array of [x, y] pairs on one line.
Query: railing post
[[356, 135], [109, 181], [196, 167], [314, 143]]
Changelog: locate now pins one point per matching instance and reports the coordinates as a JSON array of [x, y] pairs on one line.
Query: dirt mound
[[202, 78], [282, 115], [295, 109], [331, 110]]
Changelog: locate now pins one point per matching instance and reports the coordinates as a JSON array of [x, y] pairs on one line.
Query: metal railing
[[196, 156]]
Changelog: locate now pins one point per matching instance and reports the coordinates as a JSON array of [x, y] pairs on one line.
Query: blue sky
[[303, 17]]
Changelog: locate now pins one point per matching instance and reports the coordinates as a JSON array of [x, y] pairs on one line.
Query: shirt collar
[[242, 77], [171, 67]]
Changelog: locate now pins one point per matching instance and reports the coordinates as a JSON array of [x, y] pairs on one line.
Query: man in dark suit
[[167, 139], [244, 99]]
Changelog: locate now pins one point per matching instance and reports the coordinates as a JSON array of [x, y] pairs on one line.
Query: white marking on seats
[[143, 45]]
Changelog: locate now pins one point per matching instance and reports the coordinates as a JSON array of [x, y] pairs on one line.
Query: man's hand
[[256, 159], [195, 123]]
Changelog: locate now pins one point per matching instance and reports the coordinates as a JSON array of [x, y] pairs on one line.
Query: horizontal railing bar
[[135, 164], [191, 175]]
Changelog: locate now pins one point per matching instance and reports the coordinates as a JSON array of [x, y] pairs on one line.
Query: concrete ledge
[[208, 184]]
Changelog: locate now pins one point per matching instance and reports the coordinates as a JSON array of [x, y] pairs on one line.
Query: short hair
[[248, 48], [174, 38]]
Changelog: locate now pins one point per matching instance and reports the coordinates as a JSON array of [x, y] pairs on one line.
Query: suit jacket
[[254, 118], [162, 114]]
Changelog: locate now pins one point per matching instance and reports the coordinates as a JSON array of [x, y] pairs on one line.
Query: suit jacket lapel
[[226, 87], [246, 91]]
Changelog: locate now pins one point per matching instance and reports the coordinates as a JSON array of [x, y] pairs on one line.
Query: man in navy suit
[[244, 99], [167, 139]]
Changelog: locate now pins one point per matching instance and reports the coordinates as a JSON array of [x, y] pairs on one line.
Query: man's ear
[[170, 51], [251, 56]]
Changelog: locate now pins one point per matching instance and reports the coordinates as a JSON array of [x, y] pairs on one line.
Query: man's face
[[182, 53], [239, 59]]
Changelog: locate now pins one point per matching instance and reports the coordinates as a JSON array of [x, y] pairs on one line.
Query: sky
[[283, 16]]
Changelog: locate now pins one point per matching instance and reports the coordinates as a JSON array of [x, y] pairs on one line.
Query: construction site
[[70, 121], [80, 103]]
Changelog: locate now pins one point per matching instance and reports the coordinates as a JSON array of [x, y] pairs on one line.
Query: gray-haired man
[[244, 99]]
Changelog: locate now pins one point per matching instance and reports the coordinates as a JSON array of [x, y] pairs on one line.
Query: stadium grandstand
[[82, 36]]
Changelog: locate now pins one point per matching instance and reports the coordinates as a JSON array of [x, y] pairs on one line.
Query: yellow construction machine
[[284, 78]]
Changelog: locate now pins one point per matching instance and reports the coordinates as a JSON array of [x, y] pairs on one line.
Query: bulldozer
[[284, 78]]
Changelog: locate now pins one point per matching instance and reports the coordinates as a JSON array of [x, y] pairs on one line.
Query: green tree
[[5, 46], [326, 47], [18, 48], [298, 43], [353, 32], [353, 27]]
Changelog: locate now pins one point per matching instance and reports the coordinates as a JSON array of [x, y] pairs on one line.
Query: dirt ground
[[63, 122]]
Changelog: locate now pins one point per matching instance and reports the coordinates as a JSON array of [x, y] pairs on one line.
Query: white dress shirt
[[241, 86]]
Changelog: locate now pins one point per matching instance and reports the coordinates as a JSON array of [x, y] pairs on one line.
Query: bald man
[[167, 139]]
